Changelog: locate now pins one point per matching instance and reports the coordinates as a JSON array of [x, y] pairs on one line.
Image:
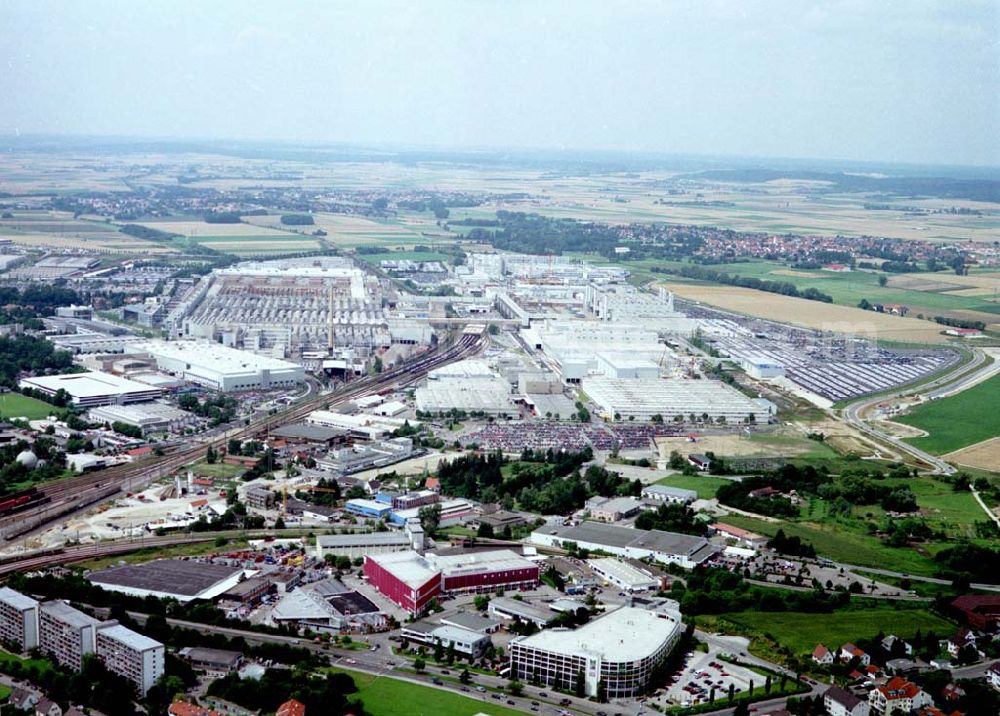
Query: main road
[[959, 378]]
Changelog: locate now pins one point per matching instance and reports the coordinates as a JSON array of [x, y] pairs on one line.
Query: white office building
[[616, 653], [623, 575]]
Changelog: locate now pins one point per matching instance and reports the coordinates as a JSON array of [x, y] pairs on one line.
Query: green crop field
[[383, 696], [15, 405], [705, 485], [801, 632], [959, 420]]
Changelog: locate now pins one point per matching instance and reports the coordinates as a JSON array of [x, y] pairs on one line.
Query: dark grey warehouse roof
[[171, 576]]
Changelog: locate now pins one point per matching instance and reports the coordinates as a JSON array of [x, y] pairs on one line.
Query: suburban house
[[848, 651], [822, 655], [841, 702], [898, 696]]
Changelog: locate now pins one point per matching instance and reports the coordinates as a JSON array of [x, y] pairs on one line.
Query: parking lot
[[703, 672]]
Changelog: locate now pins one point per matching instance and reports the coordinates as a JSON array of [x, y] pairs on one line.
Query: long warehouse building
[[622, 399], [218, 367]]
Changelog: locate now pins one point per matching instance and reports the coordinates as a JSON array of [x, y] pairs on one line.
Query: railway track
[[67, 496]]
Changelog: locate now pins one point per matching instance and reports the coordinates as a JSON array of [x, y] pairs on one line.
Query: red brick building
[[405, 578]]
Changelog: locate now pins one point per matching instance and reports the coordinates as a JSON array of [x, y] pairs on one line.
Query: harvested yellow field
[[973, 292], [200, 228], [812, 314], [984, 455]]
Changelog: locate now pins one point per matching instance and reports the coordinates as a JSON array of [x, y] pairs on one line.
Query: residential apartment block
[[18, 619], [130, 654]]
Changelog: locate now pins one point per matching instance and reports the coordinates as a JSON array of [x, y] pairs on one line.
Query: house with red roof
[[898, 696], [848, 651], [822, 655]]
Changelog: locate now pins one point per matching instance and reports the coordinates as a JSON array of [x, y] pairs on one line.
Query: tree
[[234, 446], [342, 563], [279, 524], [515, 688], [438, 651], [449, 655], [481, 602], [430, 518], [210, 455], [882, 279], [465, 677], [767, 684], [580, 686], [742, 709], [419, 664], [732, 691], [485, 530]]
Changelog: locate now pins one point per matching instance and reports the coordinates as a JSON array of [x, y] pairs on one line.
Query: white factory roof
[[670, 396], [626, 634], [469, 394], [408, 567], [469, 368], [140, 412], [670, 491], [88, 385], [621, 572], [214, 356], [132, 639], [475, 562], [303, 603], [16, 599]]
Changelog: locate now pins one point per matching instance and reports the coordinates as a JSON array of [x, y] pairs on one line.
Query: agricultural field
[[15, 405], [801, 632], [984, 455], [384, 696], [972, 297], [811, 314], [958, 421], [60, 230], [346, 231]]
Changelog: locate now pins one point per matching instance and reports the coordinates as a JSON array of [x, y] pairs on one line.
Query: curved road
[[963, 376]]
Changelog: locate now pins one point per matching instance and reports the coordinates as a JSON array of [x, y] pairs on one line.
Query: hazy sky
[[911, 80]]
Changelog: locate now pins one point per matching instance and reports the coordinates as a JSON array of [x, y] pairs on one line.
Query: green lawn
[[383, 696], [801, 632], [705, 485], [15, 405], [839, 542], [6, 658], [959, 420]]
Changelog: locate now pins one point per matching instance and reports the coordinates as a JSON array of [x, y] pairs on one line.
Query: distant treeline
[[144, 232], [297, 220], [700, 273], [959, 323]]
